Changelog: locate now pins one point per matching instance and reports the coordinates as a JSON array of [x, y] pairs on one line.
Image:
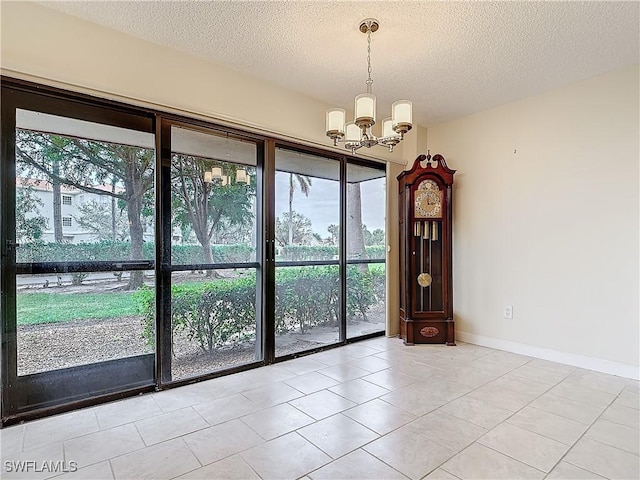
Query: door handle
[[271, 251]]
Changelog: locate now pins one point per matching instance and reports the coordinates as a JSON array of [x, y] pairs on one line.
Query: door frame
[[31, 96]]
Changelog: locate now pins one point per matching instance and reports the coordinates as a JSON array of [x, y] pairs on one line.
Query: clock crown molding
[[428, 164]]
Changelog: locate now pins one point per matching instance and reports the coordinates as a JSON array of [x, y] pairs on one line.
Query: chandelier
[[358, 133], [242, 176]]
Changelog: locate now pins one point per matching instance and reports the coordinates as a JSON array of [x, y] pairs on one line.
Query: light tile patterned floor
[[371, 410]]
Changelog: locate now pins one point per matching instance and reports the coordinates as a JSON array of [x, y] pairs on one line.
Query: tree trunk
[[200, 224], [114, 235], [57, 203], [355, 238], [134, 188], [291, 189], [136, 234], [208, 255]]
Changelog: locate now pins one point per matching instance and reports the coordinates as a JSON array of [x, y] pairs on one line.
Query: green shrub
[[360, 294], [108, 250], [378, 276], [222, 312], [306, 297]]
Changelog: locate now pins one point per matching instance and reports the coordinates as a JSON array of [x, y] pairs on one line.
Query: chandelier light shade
[[335, 121], [387, 127], [242, 176], [365, 110], [401, 114], [352, 132], [358, 133]]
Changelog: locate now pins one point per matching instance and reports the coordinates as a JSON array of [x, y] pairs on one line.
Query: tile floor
[[371, 410]]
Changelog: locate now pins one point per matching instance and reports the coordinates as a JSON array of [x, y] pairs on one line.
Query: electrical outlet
[[508, 311]]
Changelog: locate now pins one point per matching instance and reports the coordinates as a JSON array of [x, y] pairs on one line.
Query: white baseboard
[[582, 361]]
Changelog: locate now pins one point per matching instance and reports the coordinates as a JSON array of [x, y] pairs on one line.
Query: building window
[[66, 221], [66, 200]]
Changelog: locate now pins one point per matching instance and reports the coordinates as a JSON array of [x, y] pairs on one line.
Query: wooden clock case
[[426, 286]]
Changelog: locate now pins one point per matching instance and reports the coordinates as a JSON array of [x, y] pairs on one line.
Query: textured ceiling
[[449, 58]]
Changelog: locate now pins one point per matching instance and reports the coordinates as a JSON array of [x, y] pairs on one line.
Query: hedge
[[108, 250], [222, 312], [323, 252]]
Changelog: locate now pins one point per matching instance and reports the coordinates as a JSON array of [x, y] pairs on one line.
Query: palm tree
[[305, 184]]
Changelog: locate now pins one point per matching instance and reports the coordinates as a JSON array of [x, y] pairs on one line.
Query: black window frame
[[18, 93]]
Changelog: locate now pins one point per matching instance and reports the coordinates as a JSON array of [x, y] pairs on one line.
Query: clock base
[[414, 331]]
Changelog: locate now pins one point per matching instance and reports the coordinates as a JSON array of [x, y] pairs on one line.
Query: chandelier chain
[[369, 81]]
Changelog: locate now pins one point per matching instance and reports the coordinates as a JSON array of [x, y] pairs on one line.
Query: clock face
[[428, 200]]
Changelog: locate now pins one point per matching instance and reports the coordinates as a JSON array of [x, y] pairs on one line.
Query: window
[[265, 249]]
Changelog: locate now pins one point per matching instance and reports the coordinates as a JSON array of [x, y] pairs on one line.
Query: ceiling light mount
[[369, 24], [358, 133]]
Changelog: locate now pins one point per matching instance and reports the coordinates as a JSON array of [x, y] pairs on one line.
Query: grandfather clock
[[426, 297]]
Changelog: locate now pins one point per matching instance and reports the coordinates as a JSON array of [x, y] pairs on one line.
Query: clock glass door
[[427, 247]]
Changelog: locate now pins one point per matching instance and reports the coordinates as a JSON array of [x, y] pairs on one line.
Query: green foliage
[[210, 209], [212, 314], [63, 307], [323, 252], [295, 225], [360, 294], [99, 219], [307, 252], [372, 238], [379, 280], [306, 297], [192, 254], [108, 250], [30, 224], [222, 312], [377, 252]]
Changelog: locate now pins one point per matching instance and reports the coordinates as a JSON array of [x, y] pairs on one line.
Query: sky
[[322, 204]]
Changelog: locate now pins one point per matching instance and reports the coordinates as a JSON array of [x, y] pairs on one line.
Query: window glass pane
[[213, 320], [307, 207], [84, 191], [366, 207], [76, 319], [213, 194], [366, 304], [307, 308], [307, 303]]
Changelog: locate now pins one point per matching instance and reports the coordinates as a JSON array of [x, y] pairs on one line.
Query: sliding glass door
[[142, 250], [214, 272], [366, 250], [307, 238], [78, 228]]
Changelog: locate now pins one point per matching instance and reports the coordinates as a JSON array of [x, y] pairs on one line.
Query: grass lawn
[[58, 307]]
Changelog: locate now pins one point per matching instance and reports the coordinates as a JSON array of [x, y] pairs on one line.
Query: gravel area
[[51, 346]]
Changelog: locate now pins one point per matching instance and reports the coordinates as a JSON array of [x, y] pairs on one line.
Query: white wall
[[45, 45], [546, 220]]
